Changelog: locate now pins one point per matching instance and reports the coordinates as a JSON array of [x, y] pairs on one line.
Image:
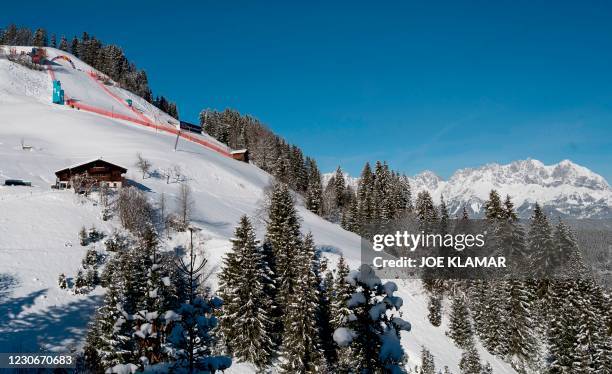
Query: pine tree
[[301, 351], [470, 361], [510, 238], [109, 340], [342, 292], [495, 215], [444, 217], [383, 211], [592, 344], [568, 261], [427, 362], [434, 310], [9, 36], [520, 326], [365, 196], [158, 297], [426, 212], [61, 281], [339, 188], [487, 368], [40, 38], [493, 207], [464, 214], [324, 318], [495, 329], [372, 333], [79, 282], [541, 246], [407, 194], [63, 44], [350, 218], [74, 46], [245, 323], [53, 41], [83, 237], [561, 329], [508, 208], [460, 326], [284, 237], [190, 341], [314, 190]]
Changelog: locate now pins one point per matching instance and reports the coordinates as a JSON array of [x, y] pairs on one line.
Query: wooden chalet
[[92, 173]]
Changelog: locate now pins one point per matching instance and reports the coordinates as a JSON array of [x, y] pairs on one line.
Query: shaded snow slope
[[39, 226]]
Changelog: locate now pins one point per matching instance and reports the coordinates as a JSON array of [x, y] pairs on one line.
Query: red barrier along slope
[[121, 101], [144, 121]]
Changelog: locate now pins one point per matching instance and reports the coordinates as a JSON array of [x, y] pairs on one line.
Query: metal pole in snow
[[177, 138]]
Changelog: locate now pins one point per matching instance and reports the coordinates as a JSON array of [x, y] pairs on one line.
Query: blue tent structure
[[58, 93]]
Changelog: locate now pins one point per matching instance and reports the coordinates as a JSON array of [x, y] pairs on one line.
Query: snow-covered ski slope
[[39, 226]]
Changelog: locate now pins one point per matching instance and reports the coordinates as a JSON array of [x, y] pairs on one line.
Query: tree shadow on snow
[[140, 186], [329, 249], [7, 283], [61, 326]]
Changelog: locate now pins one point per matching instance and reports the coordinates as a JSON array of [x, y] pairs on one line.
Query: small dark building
[[17, 182], [241, 155], [190, 127], [95, 172]]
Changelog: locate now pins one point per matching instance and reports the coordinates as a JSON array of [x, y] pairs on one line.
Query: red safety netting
[[142, 120]]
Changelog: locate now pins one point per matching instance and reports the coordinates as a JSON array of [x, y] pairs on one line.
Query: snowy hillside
[[39, 226], [565, 189]]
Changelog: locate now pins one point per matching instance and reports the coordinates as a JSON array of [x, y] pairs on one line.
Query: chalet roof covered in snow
[[88, 164]]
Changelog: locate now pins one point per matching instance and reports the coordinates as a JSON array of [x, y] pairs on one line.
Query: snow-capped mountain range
[[564, 189]]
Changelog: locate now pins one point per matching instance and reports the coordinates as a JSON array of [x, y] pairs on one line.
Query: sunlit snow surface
[[39, 226]]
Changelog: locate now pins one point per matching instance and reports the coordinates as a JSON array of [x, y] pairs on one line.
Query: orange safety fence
[[94, 77], [167, 129]]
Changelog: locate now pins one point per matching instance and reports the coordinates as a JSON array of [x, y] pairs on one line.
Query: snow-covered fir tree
[[245, 322], [339, 188], [284, 237], [314, 189], [324, 318], [493, 207], [340, 312], [342, 292], [427, 362], [434, 310], [350, 217], [190, 340], [365, 196], [460, 325], [571, 264], [63, 44], [61, 281], [301, 350], [109, 340], [540, 244], [426, 212], [522, 347], [470, 361], [372, 330], [494, 333], [159, 297]]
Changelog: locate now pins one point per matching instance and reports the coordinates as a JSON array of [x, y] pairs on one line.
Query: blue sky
[[422, 85]]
